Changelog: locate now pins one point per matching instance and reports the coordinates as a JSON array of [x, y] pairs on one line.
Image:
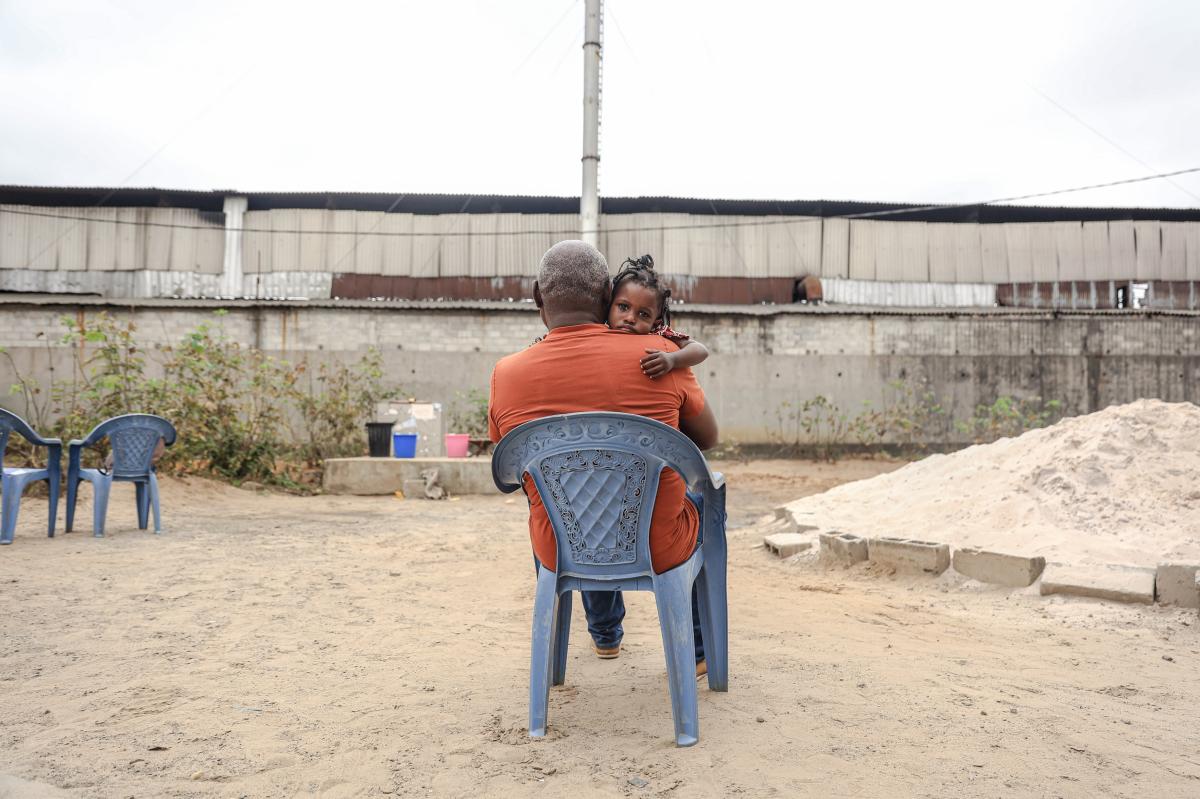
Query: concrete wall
[[763, 357]]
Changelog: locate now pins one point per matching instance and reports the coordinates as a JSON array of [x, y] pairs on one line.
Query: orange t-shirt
[[592, 368]]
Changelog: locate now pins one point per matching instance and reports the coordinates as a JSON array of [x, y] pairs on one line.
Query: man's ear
[[537, 295]]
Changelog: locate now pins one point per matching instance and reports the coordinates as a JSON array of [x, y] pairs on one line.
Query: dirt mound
[[1118, 486]]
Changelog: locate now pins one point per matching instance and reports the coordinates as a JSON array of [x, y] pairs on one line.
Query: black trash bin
[[379, 439]]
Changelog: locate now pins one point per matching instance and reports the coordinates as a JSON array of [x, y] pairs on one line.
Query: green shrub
[[468, 414], [1009, 416], [241, 414]]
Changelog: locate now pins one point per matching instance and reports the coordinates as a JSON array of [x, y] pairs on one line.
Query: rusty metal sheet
[[720, 290]]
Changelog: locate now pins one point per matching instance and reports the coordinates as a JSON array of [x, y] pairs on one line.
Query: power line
[[664, 228], [1108, 140], [549, 33], [179, 131]]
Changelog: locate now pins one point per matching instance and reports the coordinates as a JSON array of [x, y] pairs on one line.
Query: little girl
[[641, 305]]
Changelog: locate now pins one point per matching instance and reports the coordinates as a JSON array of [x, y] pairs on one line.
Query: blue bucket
[[404, 445]]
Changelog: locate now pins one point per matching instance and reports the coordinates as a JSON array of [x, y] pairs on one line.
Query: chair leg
[[711, 590], [54, 487], [714, 623], [10, 504], [101, 488], [72, 491], [673, 595], [143, 505], [542, 651], [562, 632], [154, 504]]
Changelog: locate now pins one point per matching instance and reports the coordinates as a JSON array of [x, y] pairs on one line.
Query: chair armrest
[[22, 428], [54, 456], [74, 460]]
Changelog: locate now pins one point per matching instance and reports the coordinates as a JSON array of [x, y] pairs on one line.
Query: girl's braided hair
[[641, 271]]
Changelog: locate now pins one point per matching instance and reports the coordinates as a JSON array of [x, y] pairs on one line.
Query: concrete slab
[[999, 568], [909, 554], [843, 549], [1115, 583], [785, 545], [374, 476], [1178, 584]]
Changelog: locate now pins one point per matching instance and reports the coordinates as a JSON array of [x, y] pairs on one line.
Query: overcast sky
[[922, 102]]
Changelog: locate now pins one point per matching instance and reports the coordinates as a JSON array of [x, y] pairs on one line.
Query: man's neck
[[572, 318]]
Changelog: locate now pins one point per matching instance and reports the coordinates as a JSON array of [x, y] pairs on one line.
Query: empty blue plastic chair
[[132, 439], [15, 480], [597, 474]]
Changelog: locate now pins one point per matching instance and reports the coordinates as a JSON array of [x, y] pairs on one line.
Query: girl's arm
[[692, 353], [657, 363]]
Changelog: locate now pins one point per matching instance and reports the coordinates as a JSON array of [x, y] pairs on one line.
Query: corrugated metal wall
[[373, 243], [343, 242], [730, 246], [112, 240]]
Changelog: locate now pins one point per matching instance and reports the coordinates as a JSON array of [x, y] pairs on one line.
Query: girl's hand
[[657, 363]]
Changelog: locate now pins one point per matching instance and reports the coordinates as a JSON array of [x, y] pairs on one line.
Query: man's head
[[572, 285]]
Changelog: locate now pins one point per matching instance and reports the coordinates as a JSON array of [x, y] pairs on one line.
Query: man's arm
[[701, 428], [493, 426]]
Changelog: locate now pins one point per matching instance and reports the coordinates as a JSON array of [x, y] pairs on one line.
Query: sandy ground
[[355, 646]]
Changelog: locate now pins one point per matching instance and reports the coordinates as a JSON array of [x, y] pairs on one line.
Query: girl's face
[[634, 308]]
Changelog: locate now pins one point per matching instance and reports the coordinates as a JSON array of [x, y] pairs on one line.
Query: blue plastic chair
[[597, 474], [14, 481], [133, 439]]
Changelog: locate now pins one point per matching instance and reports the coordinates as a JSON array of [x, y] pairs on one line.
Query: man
[[582, 365]]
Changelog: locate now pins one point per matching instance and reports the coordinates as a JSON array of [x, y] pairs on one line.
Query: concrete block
[[1116, 583], [905, 553], [1178, 584], [802, 521], [787, 544], [373, 476], [844, 549], [995, 567]]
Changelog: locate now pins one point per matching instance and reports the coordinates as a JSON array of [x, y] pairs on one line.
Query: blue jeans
[[605, 610]]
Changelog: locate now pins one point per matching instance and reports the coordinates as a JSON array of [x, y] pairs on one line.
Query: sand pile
[[1118, 486]]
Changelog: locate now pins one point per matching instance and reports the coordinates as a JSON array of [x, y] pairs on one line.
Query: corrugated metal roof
[[416, 203], [59, 300]]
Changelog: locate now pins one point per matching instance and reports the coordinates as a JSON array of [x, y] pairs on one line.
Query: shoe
[[701, 669], [606, 653]]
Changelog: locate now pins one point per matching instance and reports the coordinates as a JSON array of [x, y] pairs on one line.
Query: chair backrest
[[133, 438], [597, 474], [5, 430], [10, 422]]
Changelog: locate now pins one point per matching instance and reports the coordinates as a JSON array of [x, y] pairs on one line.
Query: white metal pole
[[233, 272], [589, 198]]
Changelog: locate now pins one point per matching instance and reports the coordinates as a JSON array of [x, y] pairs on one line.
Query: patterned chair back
[[598, 476], [133, 438], [133, 450]]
